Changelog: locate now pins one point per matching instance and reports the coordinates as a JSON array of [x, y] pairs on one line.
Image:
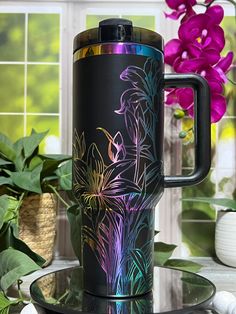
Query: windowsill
[[223, 277]]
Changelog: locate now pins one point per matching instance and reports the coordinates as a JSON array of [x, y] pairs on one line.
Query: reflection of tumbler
[[138, 305], [117, 151]]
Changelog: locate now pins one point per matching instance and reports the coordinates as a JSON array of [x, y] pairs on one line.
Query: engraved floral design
[[119, 197]]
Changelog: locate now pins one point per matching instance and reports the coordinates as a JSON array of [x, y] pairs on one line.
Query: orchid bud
[[182, 134], [179, 114]]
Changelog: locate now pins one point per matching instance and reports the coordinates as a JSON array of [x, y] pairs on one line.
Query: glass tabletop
[[174, 291]]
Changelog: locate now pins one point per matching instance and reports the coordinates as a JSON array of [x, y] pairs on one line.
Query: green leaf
[[4, 237], [50, 166], [37, 292], [25, 148], [8, 206], [20, 159], [225, 202], [30, 143], [5, 181], [195, 281], [183, 265], [50, 178], [162, 252], [51, 300], [75, 220], [8, 238], [34, 162], [23, 247], [2, 214], [6, 148], [59, 157], [29, 181], [7, 201], [4, 162], [18, 146], [4, 304], [14, 264], [4, 201], [64, 174]]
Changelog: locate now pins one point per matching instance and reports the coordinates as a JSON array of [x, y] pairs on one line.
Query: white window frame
[[38, 7]]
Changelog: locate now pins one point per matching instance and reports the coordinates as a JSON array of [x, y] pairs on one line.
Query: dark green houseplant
[[24, 173], [23, 170]]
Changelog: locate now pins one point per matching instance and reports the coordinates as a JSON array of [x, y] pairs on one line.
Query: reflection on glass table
[[174, 292]]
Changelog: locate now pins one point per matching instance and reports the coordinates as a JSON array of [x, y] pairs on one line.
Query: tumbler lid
[[118, 30]]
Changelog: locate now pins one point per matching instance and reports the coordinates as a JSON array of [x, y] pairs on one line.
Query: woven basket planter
[[37, 224]]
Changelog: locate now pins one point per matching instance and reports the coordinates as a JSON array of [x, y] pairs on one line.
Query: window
[[30, 73], [221, 181]]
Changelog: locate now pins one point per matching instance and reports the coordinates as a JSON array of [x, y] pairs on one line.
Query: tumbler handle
[[202, 128]]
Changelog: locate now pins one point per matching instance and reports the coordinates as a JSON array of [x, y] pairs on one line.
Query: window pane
[[43, 37], [12, 126], [93, 20], [145, 21], [43, 88], [230, 91], [199, 210], [226, 159], [188, 148], [51, 143], [11, 88], [12, 37]]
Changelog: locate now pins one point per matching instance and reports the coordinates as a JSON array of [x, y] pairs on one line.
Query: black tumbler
[[118, 124]]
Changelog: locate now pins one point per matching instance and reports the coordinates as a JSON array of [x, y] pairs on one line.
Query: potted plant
[[33, 179], [16, 258], [225, 231]]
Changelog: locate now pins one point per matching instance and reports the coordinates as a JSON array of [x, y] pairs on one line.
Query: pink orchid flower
[[184, 97], [199, 37], [203, 30], [198, 50], [215, 75], [180, 7]]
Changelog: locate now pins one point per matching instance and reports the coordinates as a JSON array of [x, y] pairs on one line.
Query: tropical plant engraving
[[119, 198]]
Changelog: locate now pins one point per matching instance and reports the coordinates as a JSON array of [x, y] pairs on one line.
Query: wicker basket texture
[[37, 224]]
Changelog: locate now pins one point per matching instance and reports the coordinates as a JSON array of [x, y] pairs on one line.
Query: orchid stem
[[210, 3], [231, 81], [207, 5]]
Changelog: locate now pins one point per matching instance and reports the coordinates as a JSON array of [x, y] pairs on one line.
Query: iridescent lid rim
[[139, 36], [115, 48]]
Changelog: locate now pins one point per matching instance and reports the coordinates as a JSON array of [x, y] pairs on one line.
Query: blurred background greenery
[[29, 75]]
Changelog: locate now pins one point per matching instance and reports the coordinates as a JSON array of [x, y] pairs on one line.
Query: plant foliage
[[24, 169]]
